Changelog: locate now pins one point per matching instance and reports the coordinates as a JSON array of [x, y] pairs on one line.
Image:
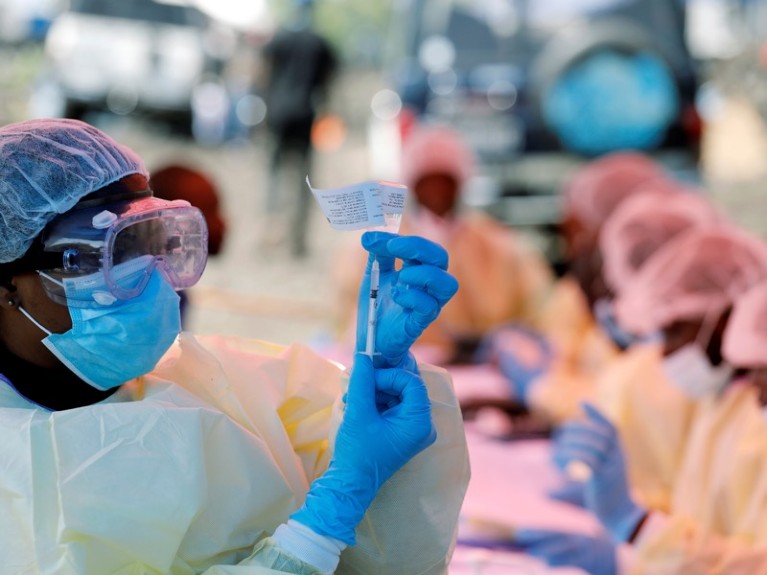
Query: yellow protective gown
[[717, 523], [190, 468], [653, 418], [502, 278], [582, 352]]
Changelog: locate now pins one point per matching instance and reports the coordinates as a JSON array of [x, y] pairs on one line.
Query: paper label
[[365, 205]]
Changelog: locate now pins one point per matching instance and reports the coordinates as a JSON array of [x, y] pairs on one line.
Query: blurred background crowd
[[188, 82]]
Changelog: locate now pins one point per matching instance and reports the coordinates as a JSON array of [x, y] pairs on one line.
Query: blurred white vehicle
[[137, 55], [24, 21]]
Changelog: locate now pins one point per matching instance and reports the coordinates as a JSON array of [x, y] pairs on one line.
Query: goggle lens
[[116, 263], [177, 244]]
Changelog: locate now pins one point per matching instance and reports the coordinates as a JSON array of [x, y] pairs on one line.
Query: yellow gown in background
[[719, 504], [653, 418], [717, 523], [582, 351]]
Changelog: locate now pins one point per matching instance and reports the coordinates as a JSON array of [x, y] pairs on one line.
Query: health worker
[[130, 446]]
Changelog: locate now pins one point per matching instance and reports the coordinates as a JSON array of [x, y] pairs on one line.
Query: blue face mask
[[605, 317], [111, 344], [603, 312]]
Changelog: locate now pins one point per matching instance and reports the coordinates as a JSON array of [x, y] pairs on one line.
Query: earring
[[12, 303]]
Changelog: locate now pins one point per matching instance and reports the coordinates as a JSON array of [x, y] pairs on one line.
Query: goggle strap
[[50, 279], [33, 260]]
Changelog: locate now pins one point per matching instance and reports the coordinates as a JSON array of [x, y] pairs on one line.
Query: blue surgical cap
[[46, 167]]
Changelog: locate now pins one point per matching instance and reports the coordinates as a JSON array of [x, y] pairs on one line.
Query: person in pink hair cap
[[676, 444], [581, 348], [503, 277], [638, 228]]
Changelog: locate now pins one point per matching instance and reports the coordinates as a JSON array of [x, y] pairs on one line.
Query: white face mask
[[691, 371]]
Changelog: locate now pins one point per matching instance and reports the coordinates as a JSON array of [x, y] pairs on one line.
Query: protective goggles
[[103, 252]]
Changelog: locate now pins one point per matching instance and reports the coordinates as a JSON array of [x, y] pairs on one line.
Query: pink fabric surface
[[471, 381], [509, 485], [509, 482]]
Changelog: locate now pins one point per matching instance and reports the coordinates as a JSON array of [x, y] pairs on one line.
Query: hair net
[[642, 224], [700, 271], [46, 166], [435, 150], [595, 190], [745, 337]]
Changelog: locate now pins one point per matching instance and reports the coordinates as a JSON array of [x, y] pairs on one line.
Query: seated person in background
[[130, 446], [503, 277], [177, 181], [649, 447], [572, 348], [638, 228], [716, 522]]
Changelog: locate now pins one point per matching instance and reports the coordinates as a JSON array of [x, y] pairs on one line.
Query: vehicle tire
[[575, 51]]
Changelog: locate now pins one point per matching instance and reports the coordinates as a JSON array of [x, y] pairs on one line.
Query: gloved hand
[[593, 554], [520, 353], [571, 492], [594, 442], [387, 421], [408, 299]]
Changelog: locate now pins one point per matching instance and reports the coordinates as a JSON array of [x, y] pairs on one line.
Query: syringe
[[372, 309]]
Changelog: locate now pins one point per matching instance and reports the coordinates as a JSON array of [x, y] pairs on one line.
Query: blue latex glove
[[387, 421], [593, 554], [571, 492], [521, 354], [594, 441], [409, 299]]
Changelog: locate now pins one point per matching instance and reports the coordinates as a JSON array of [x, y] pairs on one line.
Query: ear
[[8, 297]]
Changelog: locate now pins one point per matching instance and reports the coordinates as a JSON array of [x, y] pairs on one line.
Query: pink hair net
[[435, 149], [644, 223], [700, 271], [595, 190], [745, 337]]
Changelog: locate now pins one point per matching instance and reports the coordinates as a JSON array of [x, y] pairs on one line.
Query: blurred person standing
[[178, 181], [298, 68], [502, 276]]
